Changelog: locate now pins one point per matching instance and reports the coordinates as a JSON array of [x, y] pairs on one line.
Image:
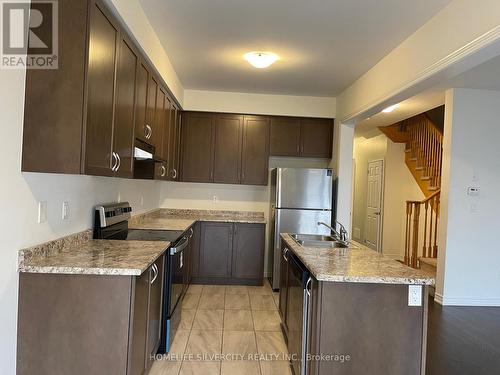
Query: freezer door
[[296, 221], [304, 188]]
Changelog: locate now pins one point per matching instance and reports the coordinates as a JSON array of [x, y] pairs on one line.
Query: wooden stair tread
[[429, 261], [425, 178], [433, 188]]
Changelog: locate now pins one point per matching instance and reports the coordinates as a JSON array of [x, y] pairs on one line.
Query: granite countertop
[[99, 257], [356, 264], [163, 224]]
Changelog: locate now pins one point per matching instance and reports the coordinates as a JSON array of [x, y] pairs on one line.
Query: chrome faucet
[[342, 235]]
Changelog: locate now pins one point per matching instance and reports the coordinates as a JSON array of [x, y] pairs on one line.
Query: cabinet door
[[227, 154], [175, 143], [285, 136], [283, 284], [316, 138], [124, 109], [155, 308], [248, 251], [139, 324], [255, 155], [160, 123], [197, 147], [151, 110], [141, 132], [195, 250], [166, 132], [215, 249], [103, 45]]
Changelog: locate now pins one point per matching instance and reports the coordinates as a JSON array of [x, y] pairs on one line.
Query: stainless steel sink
[[316, 240]]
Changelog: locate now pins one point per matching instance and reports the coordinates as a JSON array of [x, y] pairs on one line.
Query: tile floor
[[227, 330]]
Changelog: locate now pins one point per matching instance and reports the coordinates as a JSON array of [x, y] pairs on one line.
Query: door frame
[[382, 188]]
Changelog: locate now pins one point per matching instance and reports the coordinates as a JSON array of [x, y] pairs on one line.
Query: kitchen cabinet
[[175, 143], [285, 136], [88, 125], [230, 253], [248, 251], [104, 35], [197, 147], [316, 137], [215, 250], [227, 148], [255, 151], [283, 293], [88, 319], [123, 138]]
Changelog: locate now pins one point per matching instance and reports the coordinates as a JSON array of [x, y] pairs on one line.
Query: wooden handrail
[[428, 198]]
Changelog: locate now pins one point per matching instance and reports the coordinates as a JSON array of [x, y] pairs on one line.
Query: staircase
[[424, 150]]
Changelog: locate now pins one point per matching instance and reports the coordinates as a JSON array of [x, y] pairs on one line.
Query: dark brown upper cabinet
[[227, 148], [141, 131], [88, 123], [255, 151], [124, 109], [175, 143], [197, 147], [103, 51], [285, 136], [316, 136]]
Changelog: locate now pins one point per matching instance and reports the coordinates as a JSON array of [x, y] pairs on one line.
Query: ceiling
[[324, 45]]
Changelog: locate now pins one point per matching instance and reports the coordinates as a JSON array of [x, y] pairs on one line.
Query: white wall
[[231, 197], [468, 257], [19, 197], [219, 101]]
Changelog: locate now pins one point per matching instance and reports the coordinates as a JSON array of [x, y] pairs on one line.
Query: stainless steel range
[[111, 222]]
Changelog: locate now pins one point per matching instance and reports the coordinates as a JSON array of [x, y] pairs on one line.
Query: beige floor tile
[[194, 289], [239, 342], [164, 367], [261, 289], [200, 368], [209, 319], [236, 289], [237, 301], [275, 368], [211, 301], [204, 342], [214, 289], [262, 302], [178, 345], [271, 343], [266, 320], [190, 301], [240, 368], [238, 320], [187, 319]]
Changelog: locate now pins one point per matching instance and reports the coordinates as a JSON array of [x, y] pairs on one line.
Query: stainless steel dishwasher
[[298, 314]]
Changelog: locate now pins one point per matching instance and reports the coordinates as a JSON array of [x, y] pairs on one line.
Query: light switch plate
[[42, 212], [414, 295], [65, 211]]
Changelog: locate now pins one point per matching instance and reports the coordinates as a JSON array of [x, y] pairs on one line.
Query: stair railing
[[418, 212]]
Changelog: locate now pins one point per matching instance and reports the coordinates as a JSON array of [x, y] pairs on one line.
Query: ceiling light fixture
[[391, 108], [261, 60]]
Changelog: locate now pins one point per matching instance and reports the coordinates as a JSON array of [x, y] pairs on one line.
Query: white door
[[374, 205]]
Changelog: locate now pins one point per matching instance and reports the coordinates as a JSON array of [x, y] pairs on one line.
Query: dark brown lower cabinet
[[368, 326], [228, 253], [88, 324]]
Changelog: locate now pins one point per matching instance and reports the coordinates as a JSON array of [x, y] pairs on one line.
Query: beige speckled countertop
[[356, 264], [80, 254], [99, 257]]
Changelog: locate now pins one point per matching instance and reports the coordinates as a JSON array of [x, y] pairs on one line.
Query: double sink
[[318, 240]]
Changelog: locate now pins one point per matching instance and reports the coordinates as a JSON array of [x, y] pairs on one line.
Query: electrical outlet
[[42, 212], [65, 211], [215, 199], [414, 295], [142, 200]]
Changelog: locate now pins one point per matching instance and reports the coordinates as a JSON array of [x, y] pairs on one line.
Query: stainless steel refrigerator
[[299, 199]]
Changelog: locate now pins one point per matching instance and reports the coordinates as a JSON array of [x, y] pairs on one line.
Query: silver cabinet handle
[[285, 254], [119, 161], [115, 161], [163, 171], [191, 233], [175, 174], [154, 268], [149, 131]]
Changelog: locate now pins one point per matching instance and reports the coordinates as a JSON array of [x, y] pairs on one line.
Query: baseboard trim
[[465, 301]]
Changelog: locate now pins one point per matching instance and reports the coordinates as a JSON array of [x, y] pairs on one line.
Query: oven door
[[177, 273]]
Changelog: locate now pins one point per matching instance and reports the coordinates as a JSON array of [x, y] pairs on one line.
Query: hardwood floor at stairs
[[463, 340]]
